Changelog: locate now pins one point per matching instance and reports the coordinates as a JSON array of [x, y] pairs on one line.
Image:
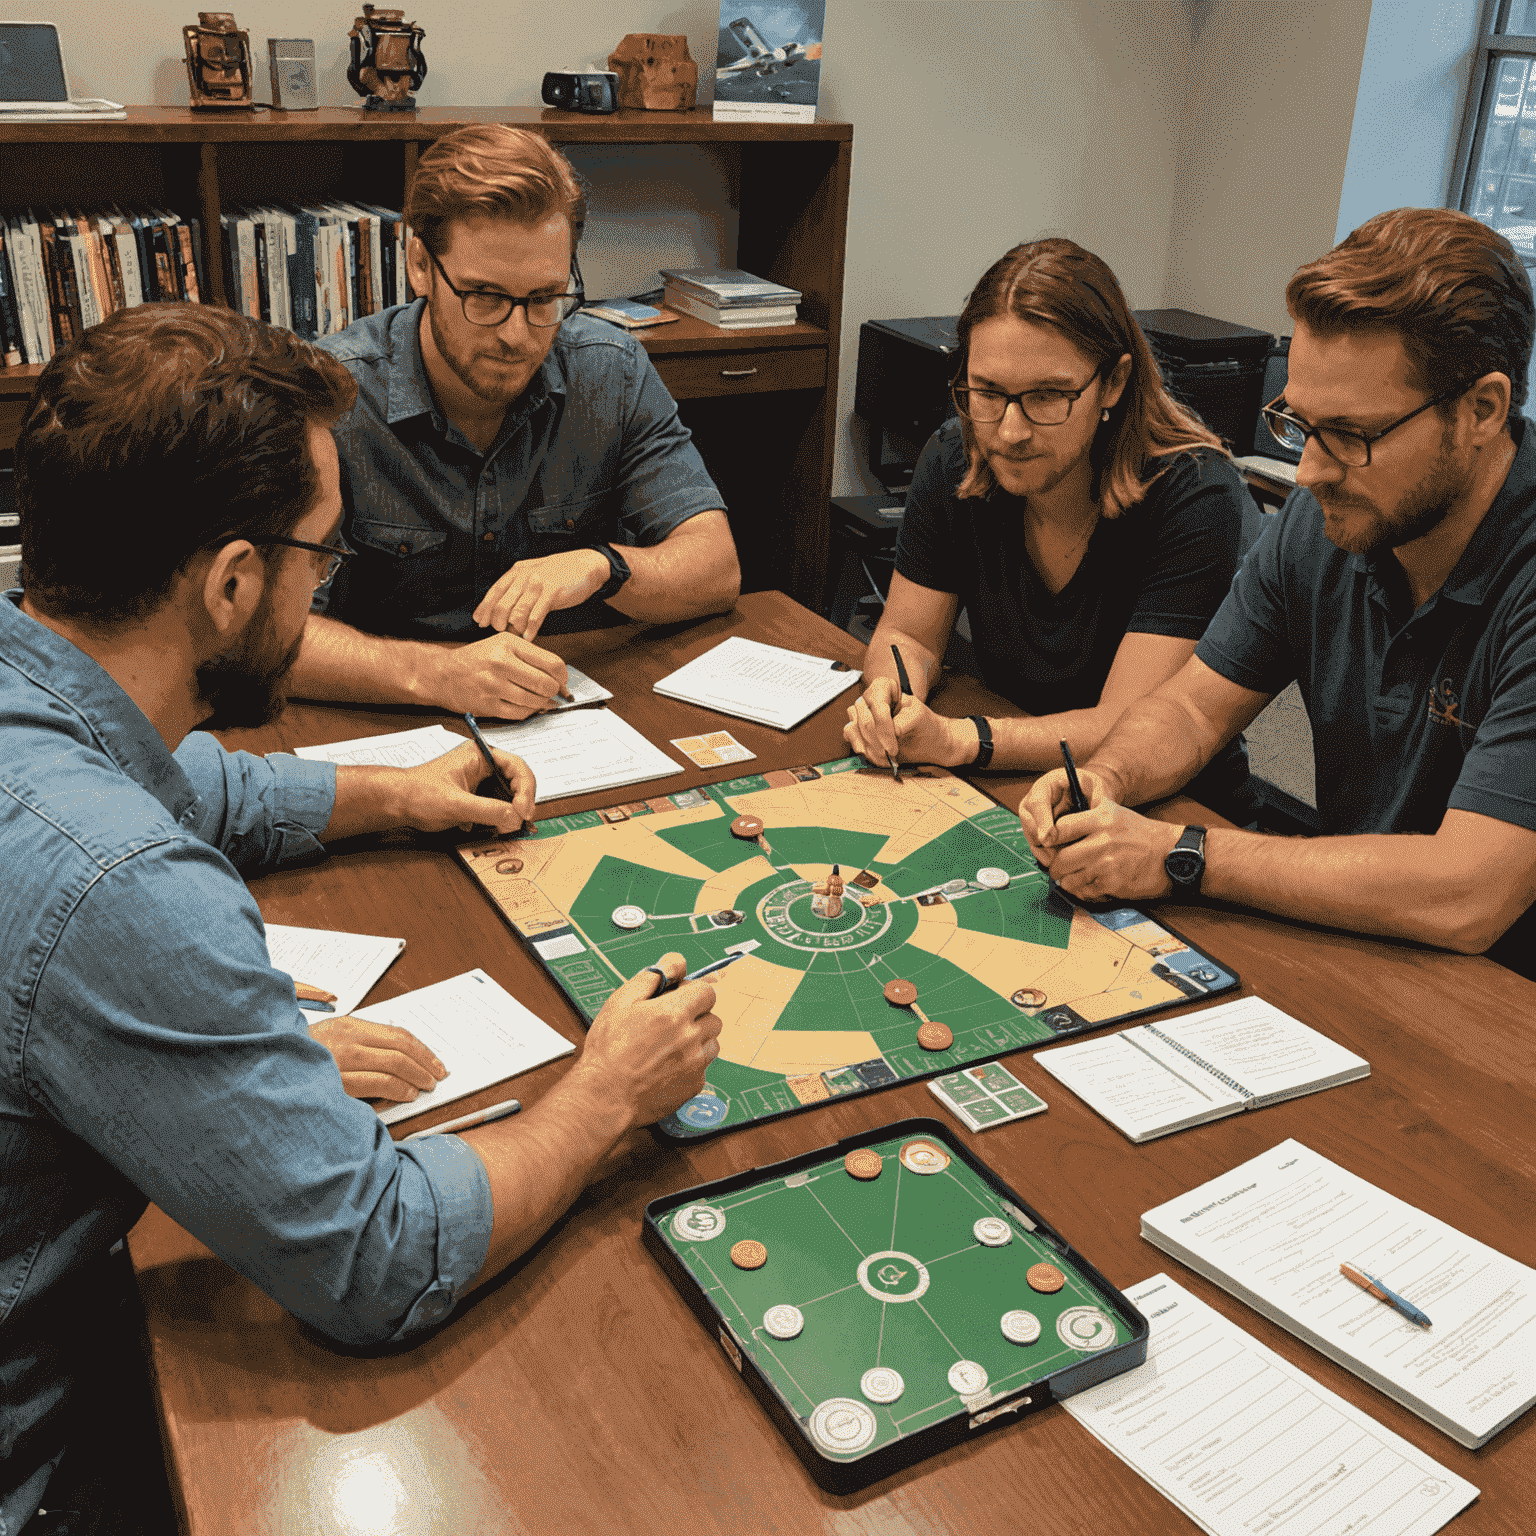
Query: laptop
[[32, 80]]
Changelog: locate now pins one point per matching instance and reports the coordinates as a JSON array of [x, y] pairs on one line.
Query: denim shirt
[[150, 1052], [591, 452]]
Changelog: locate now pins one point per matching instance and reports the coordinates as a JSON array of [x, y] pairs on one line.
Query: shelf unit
[[770, 451]]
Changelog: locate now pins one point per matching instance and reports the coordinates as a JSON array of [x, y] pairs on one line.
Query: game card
[[984, 1096], [712, 750]]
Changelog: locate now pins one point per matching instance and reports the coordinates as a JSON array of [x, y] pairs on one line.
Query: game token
[[992, 878], [784, 1321], [747, 827], [1028, 997], [629, 917], [954, 887], [880, 1384], [923, 1157], [1020, 1327], [843, 1424], [993, 1232], [901, 993], [968, 1378], [1042, 1277], [750, 1254], [1085, 1328], [934, 1036], [697, 1223], [864, 1163]]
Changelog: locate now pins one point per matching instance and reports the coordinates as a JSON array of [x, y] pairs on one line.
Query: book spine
[[1201, 1062], [304, 317], [35, 286], [375, 264], [61, 272], [128, 262], [263, 272], [143, 244], [90, 305], [15, 346], [365, 266], [107, 236]]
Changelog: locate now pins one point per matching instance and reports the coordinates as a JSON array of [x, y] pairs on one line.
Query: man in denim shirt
[[149, 1050], [501, 447]]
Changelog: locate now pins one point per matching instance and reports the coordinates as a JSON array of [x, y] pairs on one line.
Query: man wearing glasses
[[1398, 586], [511, 468]]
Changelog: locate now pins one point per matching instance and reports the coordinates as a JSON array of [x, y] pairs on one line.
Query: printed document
[[1243, 1442], [581, 752], [762, 683], [399, 749], [1274, 1231], [347, 964]]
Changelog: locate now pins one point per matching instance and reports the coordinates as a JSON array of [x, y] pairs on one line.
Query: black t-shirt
[[1162, 567]]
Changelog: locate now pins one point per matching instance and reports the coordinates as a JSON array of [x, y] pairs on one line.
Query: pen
[[465, 1122], [905, 683], [1074, 785], [497, 776], [317, 997], [703, 970], [1383, 1293]]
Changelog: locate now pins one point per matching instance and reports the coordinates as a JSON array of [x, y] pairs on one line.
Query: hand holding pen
[[501, 787]]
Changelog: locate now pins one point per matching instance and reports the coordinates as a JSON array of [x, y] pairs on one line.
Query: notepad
[[582, 752], [757, 682], [347, 964], [1158, 1078], [397, 749], [1243, 1442], [1274, 1231]]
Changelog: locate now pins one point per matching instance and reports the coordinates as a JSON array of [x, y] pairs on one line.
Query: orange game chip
[[864, 1163], [747, 827], [750, 1254], [1042, 1277], [934, 1036], [902, 993]]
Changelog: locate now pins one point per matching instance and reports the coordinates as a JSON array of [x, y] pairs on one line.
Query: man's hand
[[379, 1061], [912, 734], [503, 678], [1103, 853], [522, 599], [455, 790], [652, 1051]]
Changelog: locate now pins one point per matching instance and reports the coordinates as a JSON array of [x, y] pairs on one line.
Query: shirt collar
[[87, 704]]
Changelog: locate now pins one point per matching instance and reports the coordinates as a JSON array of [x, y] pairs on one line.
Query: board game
[[887, 931], [890, 1296]]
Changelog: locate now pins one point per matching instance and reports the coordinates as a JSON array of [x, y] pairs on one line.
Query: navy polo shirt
[[1412, 713], [591, 452]]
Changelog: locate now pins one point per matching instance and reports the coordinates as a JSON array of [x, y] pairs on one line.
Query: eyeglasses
[[543, 310], [336, 555], [1351, 449], [1041, 407]]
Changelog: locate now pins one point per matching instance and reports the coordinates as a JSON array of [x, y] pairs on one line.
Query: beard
[[1417, 513], [470, 367], [243, 686]]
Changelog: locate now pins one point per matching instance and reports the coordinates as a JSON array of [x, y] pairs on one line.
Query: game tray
[[887, 1309], [892, 931]]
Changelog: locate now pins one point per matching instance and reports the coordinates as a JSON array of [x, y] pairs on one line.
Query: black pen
[[905, 684], [497, 776], [1074, 785]]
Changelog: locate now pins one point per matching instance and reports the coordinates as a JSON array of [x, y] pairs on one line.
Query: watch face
[[1184, 865]]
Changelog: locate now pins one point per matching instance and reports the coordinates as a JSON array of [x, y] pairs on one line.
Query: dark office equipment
[[593, 90], [1215, 367], [862, 557], [903, 388], [1276, 371]]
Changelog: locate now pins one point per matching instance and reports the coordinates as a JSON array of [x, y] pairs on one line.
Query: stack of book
[[731, 299]]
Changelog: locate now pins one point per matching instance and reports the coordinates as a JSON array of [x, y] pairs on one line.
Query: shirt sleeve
[[926, 551], [192, 1073], [1201, 501]]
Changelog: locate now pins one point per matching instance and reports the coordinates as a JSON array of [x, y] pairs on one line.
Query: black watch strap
[[619, 571], [1185, 863], [984, 741]]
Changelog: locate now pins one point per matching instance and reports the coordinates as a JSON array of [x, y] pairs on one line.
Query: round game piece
[[1045, 1278], [955, 887], [747, 827], [864, 1163], [749, 1254], [1020, 1327], [902, 993], [934, 1036], [843, 1424], [784, 1322], [1028, 997], [993, 1232], [992, 878], [1085, 1328], [968, 1378], [697, 1223], [629, 917], [923, 1157], [880, 1384]]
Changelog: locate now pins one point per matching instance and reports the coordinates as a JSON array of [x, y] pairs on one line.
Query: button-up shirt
[[149, 1051], [591, 452]]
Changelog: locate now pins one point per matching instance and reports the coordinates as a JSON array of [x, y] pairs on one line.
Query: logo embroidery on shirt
[[1444, 703]]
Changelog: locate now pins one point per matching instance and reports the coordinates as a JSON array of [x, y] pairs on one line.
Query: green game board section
[[617, 882], [817, 1233]]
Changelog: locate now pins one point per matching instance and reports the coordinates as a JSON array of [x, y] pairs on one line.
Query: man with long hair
[[1398, 586]]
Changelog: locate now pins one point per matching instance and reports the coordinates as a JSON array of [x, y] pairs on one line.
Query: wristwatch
[[1186, 862], [619, 568], [983, 741]]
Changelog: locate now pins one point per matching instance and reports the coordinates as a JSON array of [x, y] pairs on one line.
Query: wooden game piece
[[1045, 1278], [751, 1254], [629, 917], [934, 1036], [1020, 1327], [1028, 997], [864, 1163], [747, 827], [881, 1384], [866, 879], [992, 1232], [923, 1157], [902, 993]]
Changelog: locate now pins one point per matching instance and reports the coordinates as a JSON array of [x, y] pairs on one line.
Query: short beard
[[1421, 511], [463, 370], [243, 686]]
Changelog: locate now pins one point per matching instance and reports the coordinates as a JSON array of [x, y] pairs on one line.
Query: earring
[[1104, 414]]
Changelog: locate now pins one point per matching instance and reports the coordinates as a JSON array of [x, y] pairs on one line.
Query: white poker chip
[[992, 878], [993, 1232], [843, 1424], [784, 1321], [1020, 1327], [968, 1378], [697, 1223], [1085, 1328], [880, 1384], [954, 887], [629, 917], [923, 1157]]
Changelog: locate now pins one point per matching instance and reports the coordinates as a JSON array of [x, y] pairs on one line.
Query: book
[[729, 287], [758, 682], [984, 1096], [1274, 1232], [1155, 1079], [732, 319], [772, 75], [629, 313]]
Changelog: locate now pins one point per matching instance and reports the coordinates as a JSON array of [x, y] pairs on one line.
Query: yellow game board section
[[796, 1052], [750, 997], [722, 890]]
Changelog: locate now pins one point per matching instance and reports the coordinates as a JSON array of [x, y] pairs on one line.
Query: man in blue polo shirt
[[1398, 587], [511, 467]]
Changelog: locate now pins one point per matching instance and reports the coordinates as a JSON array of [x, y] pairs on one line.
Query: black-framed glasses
[[1351, 449], [336, 555], [544, 310], [1041, 407]]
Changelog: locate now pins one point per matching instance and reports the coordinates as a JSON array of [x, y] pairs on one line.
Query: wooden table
[[580, 1394]]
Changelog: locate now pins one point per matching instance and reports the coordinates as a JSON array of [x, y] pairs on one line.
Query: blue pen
[[703, 970], [1385, 1293]]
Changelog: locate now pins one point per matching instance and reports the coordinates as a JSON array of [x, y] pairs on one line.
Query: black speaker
[[1215, 367], [1276, 371]]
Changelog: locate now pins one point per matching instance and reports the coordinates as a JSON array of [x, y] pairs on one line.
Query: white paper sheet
[[763, 683], [582, 752], [347, 964], [1244, 1442], [398, 749]]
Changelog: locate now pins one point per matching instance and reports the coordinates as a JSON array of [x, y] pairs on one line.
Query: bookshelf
[[761, 406]]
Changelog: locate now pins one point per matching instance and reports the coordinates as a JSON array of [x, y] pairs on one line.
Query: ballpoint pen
[[316, 999], [1074, 785], [704, 970], [465, 1122], [1384, 1293], [905, 684], [497, 776]]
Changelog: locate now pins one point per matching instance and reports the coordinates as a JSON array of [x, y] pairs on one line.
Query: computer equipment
[[1276, 371], [902, 389], [33, 84], [1215, 367]]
